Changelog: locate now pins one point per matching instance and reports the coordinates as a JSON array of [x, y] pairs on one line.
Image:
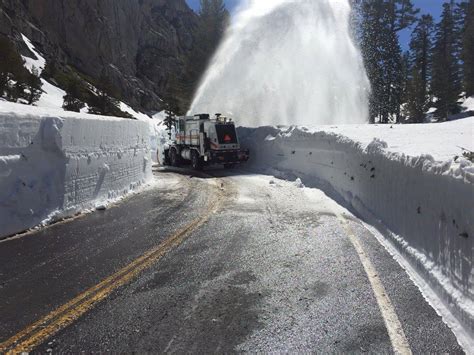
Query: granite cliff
[[139, 45]]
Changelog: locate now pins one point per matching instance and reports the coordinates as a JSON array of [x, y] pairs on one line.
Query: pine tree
[[169, 120], [420, 69], [392, 76], [72, 101], [468, 49], [212, 21], [173, 95], [446, 79], [33, 86], [102, 103], [370, 36], [11, 69], [405, 80], [381, 21]]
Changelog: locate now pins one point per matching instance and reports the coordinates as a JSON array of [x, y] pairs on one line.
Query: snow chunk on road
[[299, 184]]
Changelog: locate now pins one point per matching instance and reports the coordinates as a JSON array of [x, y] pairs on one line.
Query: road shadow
[[206, 173]]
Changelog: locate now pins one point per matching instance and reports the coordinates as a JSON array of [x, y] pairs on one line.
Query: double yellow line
[[38, 332]]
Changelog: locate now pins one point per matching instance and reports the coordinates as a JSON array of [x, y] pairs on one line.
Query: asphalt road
[[226, 263]]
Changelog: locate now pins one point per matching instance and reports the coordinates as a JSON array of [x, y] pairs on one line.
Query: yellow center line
[[35, 334]]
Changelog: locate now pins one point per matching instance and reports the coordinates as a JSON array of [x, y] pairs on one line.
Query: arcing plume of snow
[[287, 62], [418, 192], [54, 163]]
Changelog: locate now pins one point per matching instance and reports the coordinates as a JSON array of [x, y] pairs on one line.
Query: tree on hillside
[[370, 29], [169, 121], [213, 19], [173, 95], [446, 76], [33, 86], [380, 22], [72, 101], [16, 82], [420, 69], [405, 75], [11, 67], [468, 49], [392, 76], [102, 103]]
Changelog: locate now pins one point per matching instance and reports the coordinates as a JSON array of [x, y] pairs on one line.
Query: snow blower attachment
[[203, 141]]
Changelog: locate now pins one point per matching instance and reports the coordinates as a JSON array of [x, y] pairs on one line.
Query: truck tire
[[196, 160], [166, 158], [174, 157]]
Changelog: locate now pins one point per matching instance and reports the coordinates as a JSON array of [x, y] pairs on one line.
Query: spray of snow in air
[[290, 62]]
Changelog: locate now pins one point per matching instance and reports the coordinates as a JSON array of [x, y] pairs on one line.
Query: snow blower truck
[[202, 141]]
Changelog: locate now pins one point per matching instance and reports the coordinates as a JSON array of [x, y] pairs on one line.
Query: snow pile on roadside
[[410, 181], [55, 163]]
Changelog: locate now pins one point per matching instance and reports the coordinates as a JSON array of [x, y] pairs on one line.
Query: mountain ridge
[[137, 45]]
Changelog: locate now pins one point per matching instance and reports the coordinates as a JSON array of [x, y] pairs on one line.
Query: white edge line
[[397, 336], [464, 339]]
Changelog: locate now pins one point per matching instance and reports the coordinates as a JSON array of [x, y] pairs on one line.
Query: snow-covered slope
[[52, 96], [37, 63], [410, 181], [55, 163]]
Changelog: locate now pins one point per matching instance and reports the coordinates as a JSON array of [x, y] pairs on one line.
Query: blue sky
[[433, 7]]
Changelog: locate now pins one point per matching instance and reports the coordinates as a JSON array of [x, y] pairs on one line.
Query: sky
[[432, 7]]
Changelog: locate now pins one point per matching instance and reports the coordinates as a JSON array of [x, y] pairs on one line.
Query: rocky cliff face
[[137, 44]]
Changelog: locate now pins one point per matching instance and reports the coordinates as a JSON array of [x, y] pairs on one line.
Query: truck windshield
[[226, 134]]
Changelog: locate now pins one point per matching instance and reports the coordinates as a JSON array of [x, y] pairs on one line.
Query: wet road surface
[[230, 262]]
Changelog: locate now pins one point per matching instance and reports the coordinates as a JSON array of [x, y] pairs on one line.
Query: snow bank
[[423, 203], [55, 163]]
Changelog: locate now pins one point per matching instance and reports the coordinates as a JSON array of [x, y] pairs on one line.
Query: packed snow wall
[[424, 207], [52, 166]]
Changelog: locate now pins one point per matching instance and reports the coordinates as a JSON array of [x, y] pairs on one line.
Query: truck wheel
[[166, 158], [196, 160], [174, 158]]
